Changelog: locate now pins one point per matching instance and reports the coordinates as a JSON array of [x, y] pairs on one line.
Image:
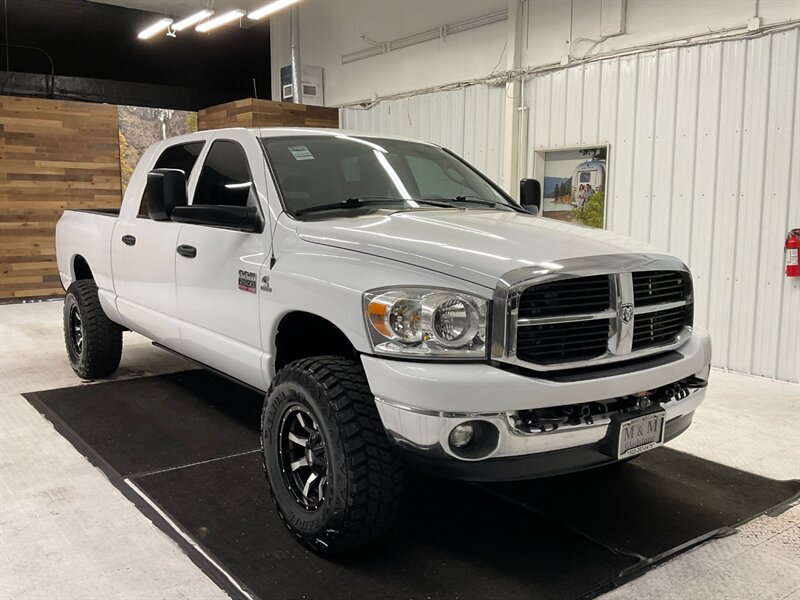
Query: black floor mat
[[189, 442]]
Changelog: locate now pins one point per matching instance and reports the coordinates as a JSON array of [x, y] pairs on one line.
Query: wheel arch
[[296, 328], [81, 268]]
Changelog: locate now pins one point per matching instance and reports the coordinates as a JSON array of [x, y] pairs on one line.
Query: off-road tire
[[365, 475], [101, 348]]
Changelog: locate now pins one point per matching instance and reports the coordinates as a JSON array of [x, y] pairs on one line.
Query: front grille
[[660, 287], [564, 322], [660, 327], [566, 297], [562, 342]]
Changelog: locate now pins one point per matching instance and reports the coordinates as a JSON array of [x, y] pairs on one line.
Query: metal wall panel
[[468, 121], [704, 162]]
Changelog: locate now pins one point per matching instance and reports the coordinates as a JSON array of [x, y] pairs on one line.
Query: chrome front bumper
[[420, 404], [426, 432]]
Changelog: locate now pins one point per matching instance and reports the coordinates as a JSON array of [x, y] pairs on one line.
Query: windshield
[[316, 171]]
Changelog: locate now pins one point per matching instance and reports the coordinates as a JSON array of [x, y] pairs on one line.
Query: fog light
[[461, 435]]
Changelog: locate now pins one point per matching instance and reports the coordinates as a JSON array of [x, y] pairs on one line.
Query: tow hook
[[682, 389], [695, 382]]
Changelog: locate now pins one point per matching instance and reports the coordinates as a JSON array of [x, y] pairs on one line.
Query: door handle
[[128, 240], [187, 251]]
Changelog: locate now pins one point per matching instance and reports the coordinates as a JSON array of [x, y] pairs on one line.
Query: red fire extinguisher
[[792, 248]]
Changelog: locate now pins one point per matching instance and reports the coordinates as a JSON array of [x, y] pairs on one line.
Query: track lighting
[[220, 20], [270, 8], [155, 28], [192, 20]]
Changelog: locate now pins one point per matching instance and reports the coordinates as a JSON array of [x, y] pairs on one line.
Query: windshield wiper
[[366, 201], [473, 200], [350, 202]]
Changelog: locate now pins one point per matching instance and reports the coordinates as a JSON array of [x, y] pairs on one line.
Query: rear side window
[[180, 156], [225, 178]]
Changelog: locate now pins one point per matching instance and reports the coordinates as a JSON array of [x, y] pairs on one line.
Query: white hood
[[475, 245]]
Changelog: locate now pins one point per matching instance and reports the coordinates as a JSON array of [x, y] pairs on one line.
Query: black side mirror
[[243, 218], [530, 195], [166, 190]]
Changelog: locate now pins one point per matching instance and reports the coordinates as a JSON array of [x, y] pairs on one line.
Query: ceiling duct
[[365, 53], [487, 19], [426, 36], [417, 38]]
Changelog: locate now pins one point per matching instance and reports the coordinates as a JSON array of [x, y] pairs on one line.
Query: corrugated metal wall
[[704, 161], [468, 121]]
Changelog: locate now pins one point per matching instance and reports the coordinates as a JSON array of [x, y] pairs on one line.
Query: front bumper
[[421, 403], [529, 466]]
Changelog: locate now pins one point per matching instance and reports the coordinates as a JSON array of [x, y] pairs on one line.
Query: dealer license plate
[[641, 434]]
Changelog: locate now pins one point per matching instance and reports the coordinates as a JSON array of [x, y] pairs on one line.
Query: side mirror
[[243, 218], [166, 190], [530, 195]]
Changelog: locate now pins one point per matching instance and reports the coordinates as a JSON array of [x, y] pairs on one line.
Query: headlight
[[426, 322]]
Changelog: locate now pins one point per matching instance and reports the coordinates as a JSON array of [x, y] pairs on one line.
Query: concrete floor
[[67, 533]]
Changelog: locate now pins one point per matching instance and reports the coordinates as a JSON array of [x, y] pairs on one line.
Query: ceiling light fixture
[[192, 20], [220, 20], [270, 8], [154, 29]]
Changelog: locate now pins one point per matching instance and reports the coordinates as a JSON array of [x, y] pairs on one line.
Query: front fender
[[330, 282]]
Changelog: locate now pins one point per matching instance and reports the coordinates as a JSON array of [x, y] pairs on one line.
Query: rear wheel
[[94, 342], [333, 476]]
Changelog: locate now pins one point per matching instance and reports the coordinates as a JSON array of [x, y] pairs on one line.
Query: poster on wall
[[574, 185], [141, 127]]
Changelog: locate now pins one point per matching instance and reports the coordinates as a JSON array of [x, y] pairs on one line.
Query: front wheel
[[94, 342], [332, 474]]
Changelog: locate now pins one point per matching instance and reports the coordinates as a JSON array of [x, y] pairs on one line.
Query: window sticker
[[301, 153]]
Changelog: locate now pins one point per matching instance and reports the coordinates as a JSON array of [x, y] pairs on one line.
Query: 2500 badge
[[247, 281]]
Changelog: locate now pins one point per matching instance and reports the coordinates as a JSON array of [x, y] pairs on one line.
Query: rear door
[[218, 288], [143, 253]]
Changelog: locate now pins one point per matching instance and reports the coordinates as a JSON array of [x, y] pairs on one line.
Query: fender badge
[[247, 281], [265, 284]]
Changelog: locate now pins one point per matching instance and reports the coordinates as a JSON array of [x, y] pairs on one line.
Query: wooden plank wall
[[54, 155], [266, 113]]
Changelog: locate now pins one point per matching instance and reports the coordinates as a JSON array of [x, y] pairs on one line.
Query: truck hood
[[475, 245]]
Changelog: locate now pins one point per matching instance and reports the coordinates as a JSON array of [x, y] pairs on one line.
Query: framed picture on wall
[[574, 183], [140, 127]]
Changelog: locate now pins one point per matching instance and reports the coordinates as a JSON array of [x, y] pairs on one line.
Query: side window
[[225, 178], [181, 156]]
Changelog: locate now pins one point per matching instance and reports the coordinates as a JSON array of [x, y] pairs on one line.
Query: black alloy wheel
[[333, 475], [93, 341], [304, 461], [75, 330]]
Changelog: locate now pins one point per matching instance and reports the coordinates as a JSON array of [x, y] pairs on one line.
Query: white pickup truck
[[395, 307]]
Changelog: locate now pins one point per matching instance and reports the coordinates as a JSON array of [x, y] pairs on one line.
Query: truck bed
[[86, 234]]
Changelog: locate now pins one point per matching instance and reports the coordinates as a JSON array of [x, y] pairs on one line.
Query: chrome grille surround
[[506, 301]]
